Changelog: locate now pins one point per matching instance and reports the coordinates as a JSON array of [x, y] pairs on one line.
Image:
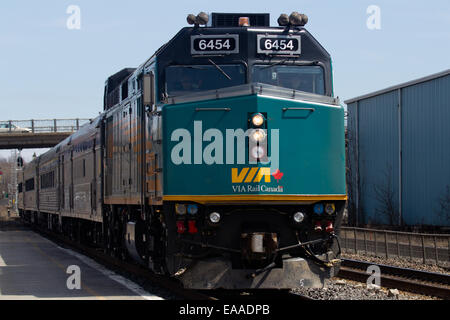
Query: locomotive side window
[[182, 80], [125, 90], [301, 78]]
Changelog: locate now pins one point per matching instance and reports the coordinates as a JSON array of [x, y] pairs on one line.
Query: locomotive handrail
[[292, 108], [212, 109], [252, 89]]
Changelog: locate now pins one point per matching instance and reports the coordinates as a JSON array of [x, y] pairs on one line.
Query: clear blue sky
[[48, 71]]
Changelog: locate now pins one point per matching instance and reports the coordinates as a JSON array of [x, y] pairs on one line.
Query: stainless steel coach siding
[[400, 137], [67, 178], [48, 187]]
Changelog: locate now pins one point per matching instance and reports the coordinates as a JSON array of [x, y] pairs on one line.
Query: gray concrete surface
[[32, 267]]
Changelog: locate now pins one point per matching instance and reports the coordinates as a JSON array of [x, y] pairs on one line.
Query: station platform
[[32, 267]]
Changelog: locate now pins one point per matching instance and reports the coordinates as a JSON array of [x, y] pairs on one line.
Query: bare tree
[[350, 177], [353, 180], [385, 195], [444, 204], [5, 168]]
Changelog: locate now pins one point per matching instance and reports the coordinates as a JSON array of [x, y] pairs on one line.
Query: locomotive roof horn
[[294, 19], [201, 19]]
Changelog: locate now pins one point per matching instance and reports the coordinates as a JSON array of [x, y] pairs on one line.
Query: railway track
[[416, 281]]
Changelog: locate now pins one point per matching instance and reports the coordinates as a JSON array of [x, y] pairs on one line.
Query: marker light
[[192, 228], [330, 208], [180, 209], [318, 208], [258, 120], [329, 228], [258, 152], [298, 217], [318, 226], [244, 22], [258, 135], [192, 209], [214, 217], [180, 227]]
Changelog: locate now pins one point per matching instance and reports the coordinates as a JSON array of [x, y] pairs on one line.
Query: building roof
[[399, 86]]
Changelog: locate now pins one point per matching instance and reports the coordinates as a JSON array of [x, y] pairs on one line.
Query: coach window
[[48, 180]]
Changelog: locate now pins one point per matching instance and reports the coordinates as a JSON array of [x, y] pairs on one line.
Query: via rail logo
[[255, 175]]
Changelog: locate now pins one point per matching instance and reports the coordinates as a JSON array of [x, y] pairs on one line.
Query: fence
[[429, 248], [41, 126]]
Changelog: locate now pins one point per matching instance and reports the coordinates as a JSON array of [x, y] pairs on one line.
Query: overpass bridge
[[46, 133]]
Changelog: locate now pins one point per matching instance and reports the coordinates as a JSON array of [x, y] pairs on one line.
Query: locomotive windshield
[[181, 80], [302, 78]]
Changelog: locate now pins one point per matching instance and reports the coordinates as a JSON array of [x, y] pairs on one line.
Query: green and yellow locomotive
[[219, 161]]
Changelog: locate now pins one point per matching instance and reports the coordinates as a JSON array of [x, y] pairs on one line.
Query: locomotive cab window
[[301, 78], [181, 80]]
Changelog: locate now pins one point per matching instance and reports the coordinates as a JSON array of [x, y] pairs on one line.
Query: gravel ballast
[[337, 289]]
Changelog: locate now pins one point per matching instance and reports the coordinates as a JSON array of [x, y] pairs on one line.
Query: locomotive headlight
[[298, 217], [330, 208], [258, 152], [180, 209], [258, 135], [258, 120], [192, 209], [214, 217]]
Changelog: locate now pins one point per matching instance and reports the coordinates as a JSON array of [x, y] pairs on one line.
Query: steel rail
[[426, 283], [441, 278]]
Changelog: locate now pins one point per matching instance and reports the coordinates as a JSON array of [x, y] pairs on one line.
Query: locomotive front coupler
[[305, 245]]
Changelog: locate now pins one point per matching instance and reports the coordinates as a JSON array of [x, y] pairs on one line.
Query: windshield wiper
[[278, 62], [220, 69]]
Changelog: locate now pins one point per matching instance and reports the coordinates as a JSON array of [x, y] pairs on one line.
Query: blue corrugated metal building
[[399, 154]]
